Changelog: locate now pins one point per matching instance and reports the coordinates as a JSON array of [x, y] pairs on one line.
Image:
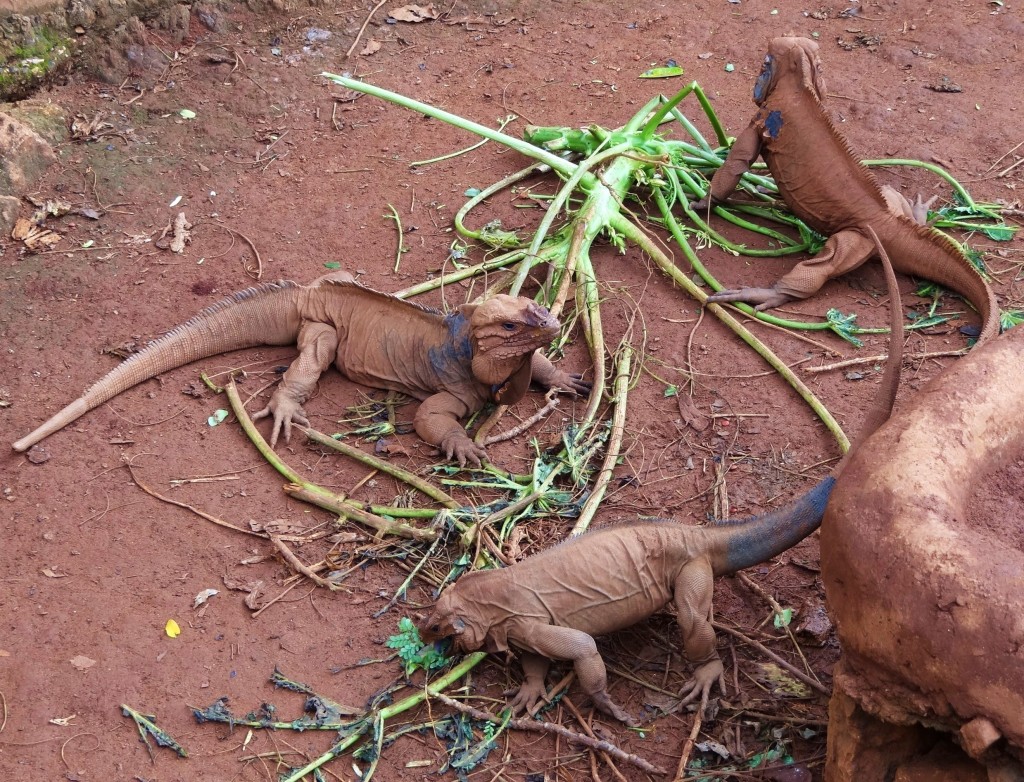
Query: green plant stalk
[[385, 467], [668, 267], [310, 492], [347, 510], [938, 171], [620, 389], [457, 672], [501, 261], [558, 164], [501, 126], [555, 208], [652, 124], [487, 192]]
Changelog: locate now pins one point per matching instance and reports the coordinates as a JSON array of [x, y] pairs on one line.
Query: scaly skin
[[825, 185], [550, 606], [455, 364]]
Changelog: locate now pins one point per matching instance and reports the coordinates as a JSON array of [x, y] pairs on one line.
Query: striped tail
[[266, 314]]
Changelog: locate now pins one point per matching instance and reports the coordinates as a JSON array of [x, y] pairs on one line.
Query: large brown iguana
[[829, 189], [455, 364], [551, 605]]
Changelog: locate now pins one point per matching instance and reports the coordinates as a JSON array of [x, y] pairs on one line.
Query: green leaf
[[666, 72], [217, 417], [472, 192], [1010, 318], [843, 325], [332, 265], [412, 651], [783, 619], [999, 233], [187, 114], [671, 391]]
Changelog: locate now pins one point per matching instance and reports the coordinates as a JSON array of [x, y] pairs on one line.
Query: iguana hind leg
[[692, 595], [566, 643], [843, 252]]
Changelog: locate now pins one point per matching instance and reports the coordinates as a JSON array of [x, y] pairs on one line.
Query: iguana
[[455, 364], [551, 605], [826, 186]]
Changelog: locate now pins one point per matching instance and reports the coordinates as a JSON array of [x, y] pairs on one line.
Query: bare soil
[[93, 567]]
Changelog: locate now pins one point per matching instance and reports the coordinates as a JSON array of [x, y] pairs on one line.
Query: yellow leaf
[[172, 629]]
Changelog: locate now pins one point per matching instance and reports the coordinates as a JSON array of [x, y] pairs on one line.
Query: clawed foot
[[604, 703], [286, 411], [761, 298], [919, 209], [526, 697], [704, 679], [459, 447], [573, 384]]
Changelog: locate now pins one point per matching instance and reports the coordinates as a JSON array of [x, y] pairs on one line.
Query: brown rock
[[24, 156]]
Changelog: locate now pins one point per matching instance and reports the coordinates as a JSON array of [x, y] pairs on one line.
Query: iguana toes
[[551, 605], [455, 364], [829, 189]]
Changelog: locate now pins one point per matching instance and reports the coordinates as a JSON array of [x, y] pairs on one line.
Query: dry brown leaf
[[372, 47], [692, 417], [414, 13]]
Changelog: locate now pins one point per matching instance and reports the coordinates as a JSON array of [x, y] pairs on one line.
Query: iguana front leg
[[843, 252], [547, 375], [565, 643], [692, 595], [437, 422], [742, 155], [318, 346]]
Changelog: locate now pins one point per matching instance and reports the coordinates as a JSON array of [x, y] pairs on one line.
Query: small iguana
[[825, 185], [551, 605], [455, 364]]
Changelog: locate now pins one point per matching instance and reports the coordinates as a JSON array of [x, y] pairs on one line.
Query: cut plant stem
[[620, 388]]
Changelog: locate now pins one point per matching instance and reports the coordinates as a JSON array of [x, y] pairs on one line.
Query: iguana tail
[[748, 542], [265, 314]]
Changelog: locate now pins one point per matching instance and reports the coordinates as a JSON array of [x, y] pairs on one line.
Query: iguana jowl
[[455, 364], [551, 605], [825, 185]]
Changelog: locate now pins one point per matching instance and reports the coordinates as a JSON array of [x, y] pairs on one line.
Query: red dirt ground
[[94, 567]]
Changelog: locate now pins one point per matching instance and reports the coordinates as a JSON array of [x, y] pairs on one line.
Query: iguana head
[[504, 331], [792, 58], [453, 618]]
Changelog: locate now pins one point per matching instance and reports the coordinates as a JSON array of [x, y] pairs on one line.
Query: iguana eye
[[435, 628], [508, 325]]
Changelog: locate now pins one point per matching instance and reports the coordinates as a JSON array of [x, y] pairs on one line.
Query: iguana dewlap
[[454, 363], [551, 605], [826, 186]]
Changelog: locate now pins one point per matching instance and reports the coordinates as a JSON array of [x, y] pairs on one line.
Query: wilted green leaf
[[146, 724], [843, 325], [666, 72]]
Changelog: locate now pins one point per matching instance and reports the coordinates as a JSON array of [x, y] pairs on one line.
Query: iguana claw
[[571, 383], [526, 697], [459, 447], [762, 298], [704, 679], [285, 411]]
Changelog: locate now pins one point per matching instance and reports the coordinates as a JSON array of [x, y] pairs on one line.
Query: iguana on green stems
[[826, 186], [551, 605], [455, 364]]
